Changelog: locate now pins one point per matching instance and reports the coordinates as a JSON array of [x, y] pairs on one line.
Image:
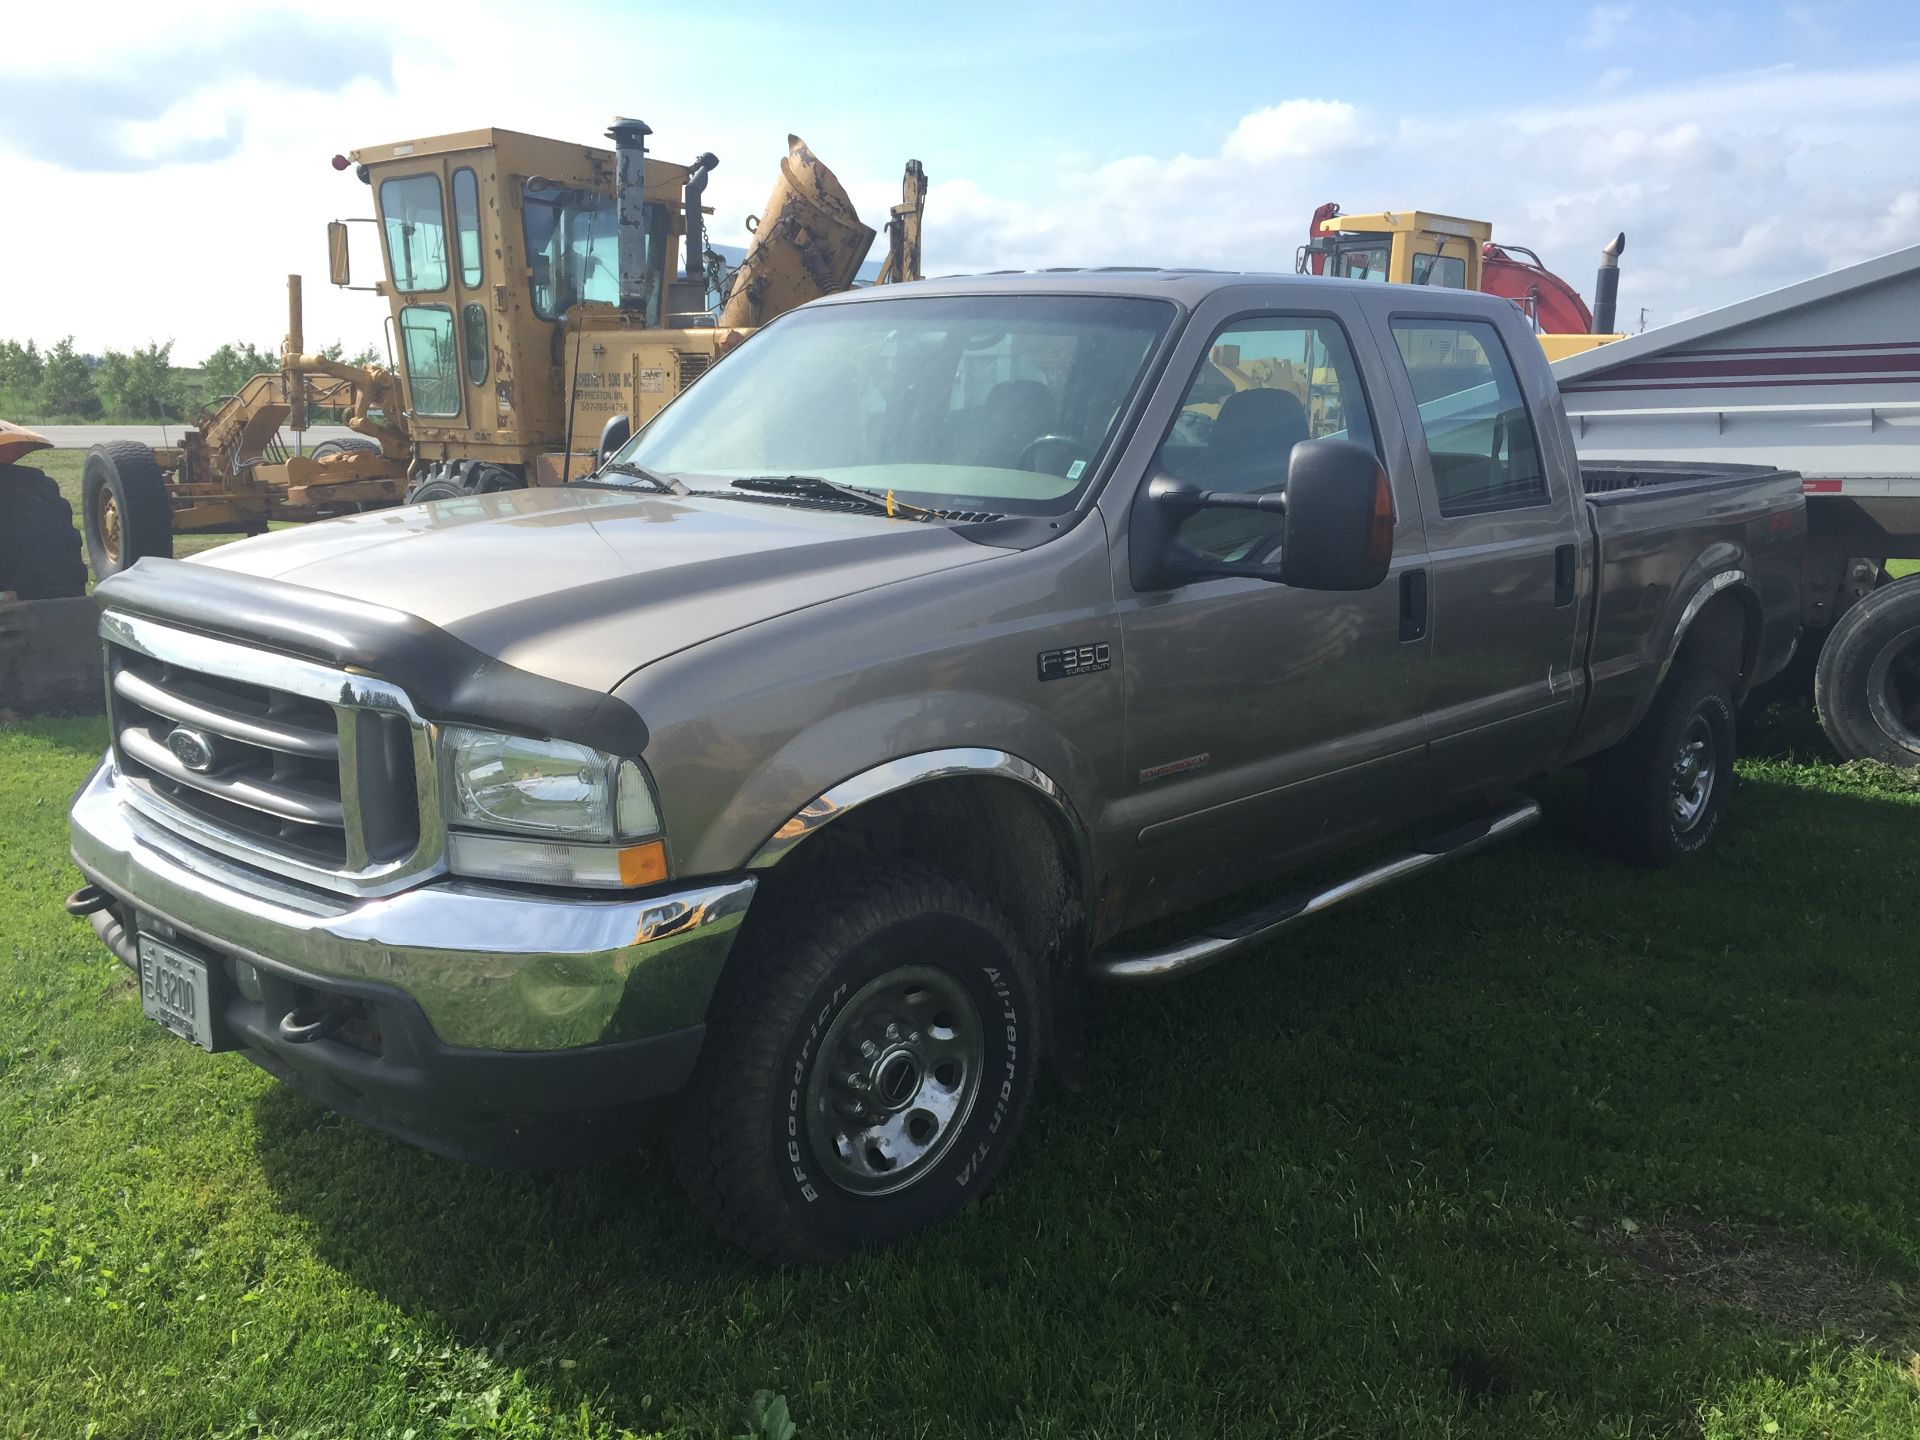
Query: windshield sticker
[[1076, 470]]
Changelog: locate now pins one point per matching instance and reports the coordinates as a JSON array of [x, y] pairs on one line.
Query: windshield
[[981, 403], [573, 248]]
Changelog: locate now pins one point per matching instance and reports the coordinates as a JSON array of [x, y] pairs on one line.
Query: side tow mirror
[[1338, 532], [613, 435]]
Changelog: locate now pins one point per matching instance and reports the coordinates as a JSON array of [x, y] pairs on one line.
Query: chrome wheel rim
[[895, 1079], [1893, 688], [1693, 774]]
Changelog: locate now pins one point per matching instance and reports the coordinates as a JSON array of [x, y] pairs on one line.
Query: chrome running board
[[1225, 938]]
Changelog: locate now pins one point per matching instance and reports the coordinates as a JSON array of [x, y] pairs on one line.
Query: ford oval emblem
[[191, 749]]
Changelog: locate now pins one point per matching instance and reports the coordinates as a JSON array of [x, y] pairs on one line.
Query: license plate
[[174, 991]]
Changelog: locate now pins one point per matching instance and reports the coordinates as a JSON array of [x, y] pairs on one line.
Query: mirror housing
[[339, 270], [613, 435], [1338, 533]]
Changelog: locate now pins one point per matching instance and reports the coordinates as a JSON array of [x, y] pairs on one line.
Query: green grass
[[1544, 1147]]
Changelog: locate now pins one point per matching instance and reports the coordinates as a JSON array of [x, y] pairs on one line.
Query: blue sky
[[1741, 148]]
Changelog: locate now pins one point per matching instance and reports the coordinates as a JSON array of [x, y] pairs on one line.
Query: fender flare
[[892, 776]]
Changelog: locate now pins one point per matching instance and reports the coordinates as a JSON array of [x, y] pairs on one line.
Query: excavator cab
[[1401, 247]]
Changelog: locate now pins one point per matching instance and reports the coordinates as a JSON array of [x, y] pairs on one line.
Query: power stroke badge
[[1075, 660]]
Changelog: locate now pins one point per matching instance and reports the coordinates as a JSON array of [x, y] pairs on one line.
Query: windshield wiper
[[658, 482], [817, 487]]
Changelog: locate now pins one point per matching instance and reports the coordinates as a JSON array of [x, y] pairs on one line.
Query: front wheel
[[1661, 794], [867, 1067]]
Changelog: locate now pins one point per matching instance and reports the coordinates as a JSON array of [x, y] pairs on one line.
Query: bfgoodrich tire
[[1867, 686], [1661, 794], [867, 1066]]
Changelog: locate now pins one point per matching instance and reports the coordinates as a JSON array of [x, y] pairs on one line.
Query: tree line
[[61, 383]]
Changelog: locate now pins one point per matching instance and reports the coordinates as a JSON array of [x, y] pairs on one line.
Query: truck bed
[[1663, 531]]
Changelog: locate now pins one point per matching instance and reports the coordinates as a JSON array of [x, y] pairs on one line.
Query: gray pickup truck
[[813, 758]]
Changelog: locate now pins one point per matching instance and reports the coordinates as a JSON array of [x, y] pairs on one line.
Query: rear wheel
[[1867, 686], [128, 516], [867, 1066], [39, 548], [1661, 794]]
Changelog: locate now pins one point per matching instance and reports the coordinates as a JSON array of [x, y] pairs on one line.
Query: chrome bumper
[[491, 967]]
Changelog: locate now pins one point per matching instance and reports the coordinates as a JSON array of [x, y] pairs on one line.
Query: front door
[[1264, 722]]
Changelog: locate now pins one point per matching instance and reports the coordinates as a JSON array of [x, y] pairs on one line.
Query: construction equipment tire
[[128, 514], [341, 447], [39, 548]]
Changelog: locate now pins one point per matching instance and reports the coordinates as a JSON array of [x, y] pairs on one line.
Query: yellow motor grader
[[544, 297]]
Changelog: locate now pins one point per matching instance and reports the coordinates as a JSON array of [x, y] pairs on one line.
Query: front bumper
[[483, 1001]]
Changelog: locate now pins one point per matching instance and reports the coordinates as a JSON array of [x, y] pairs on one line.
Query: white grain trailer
[[1822, 377]]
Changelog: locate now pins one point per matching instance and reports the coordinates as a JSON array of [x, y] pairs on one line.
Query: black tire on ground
[[123, 496], [488, 479], [1867, 686], [1661, 794], [341, 447], [868, 1063], [435, 487], [39, 548]]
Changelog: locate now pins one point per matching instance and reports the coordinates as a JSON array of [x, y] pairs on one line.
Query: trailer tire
[[39, 548], [1661, 794], [128, 515], [867, 1064], [1867, 686]]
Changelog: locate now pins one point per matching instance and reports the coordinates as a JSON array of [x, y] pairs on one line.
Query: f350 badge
[[1075, 660]]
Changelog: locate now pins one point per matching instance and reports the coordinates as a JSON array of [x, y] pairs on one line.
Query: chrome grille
[[298, 768]]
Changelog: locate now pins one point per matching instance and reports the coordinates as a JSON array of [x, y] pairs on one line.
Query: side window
[[1448, 271], [1480, 440], [1266, 384], [416, 232], [433, 371], [1362, 262], [473, 323], [466, 224]]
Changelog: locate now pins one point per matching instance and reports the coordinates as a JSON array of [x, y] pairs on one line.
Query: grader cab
[[543, 297]]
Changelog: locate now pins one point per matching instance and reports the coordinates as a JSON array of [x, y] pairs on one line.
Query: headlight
[[539, 799]]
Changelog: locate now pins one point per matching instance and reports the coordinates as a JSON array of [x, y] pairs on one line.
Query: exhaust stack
[[630, 146], [1606, 285], [697, 187]]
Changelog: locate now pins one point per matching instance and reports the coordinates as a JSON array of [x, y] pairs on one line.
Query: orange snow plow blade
[[17, 440]]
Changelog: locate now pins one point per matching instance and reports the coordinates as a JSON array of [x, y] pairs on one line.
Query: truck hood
[[587, 585]]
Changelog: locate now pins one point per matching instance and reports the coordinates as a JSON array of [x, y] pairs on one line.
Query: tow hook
[[86, 900], [312, 1020]]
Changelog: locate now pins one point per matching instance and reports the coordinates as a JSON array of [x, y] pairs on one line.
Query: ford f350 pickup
[[812, 759]]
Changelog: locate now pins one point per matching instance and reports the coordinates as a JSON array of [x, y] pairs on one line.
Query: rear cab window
[[1481, 444]]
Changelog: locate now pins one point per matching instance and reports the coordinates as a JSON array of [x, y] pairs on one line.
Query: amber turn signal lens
[[1380, 525], [643, 864]]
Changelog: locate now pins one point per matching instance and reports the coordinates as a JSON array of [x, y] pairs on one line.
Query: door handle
[[1413, 604], [1565, 566]]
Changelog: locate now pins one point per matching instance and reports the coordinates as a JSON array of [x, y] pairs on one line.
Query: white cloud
[[1726, 188], [1605, 27], [1296, 129]]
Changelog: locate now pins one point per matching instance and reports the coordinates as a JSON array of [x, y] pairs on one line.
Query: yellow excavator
[[544, 297]]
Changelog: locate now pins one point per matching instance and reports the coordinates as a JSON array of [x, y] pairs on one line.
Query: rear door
[[1505, 541]]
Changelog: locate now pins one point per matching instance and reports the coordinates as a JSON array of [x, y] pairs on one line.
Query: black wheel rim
[[1893, 688]]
